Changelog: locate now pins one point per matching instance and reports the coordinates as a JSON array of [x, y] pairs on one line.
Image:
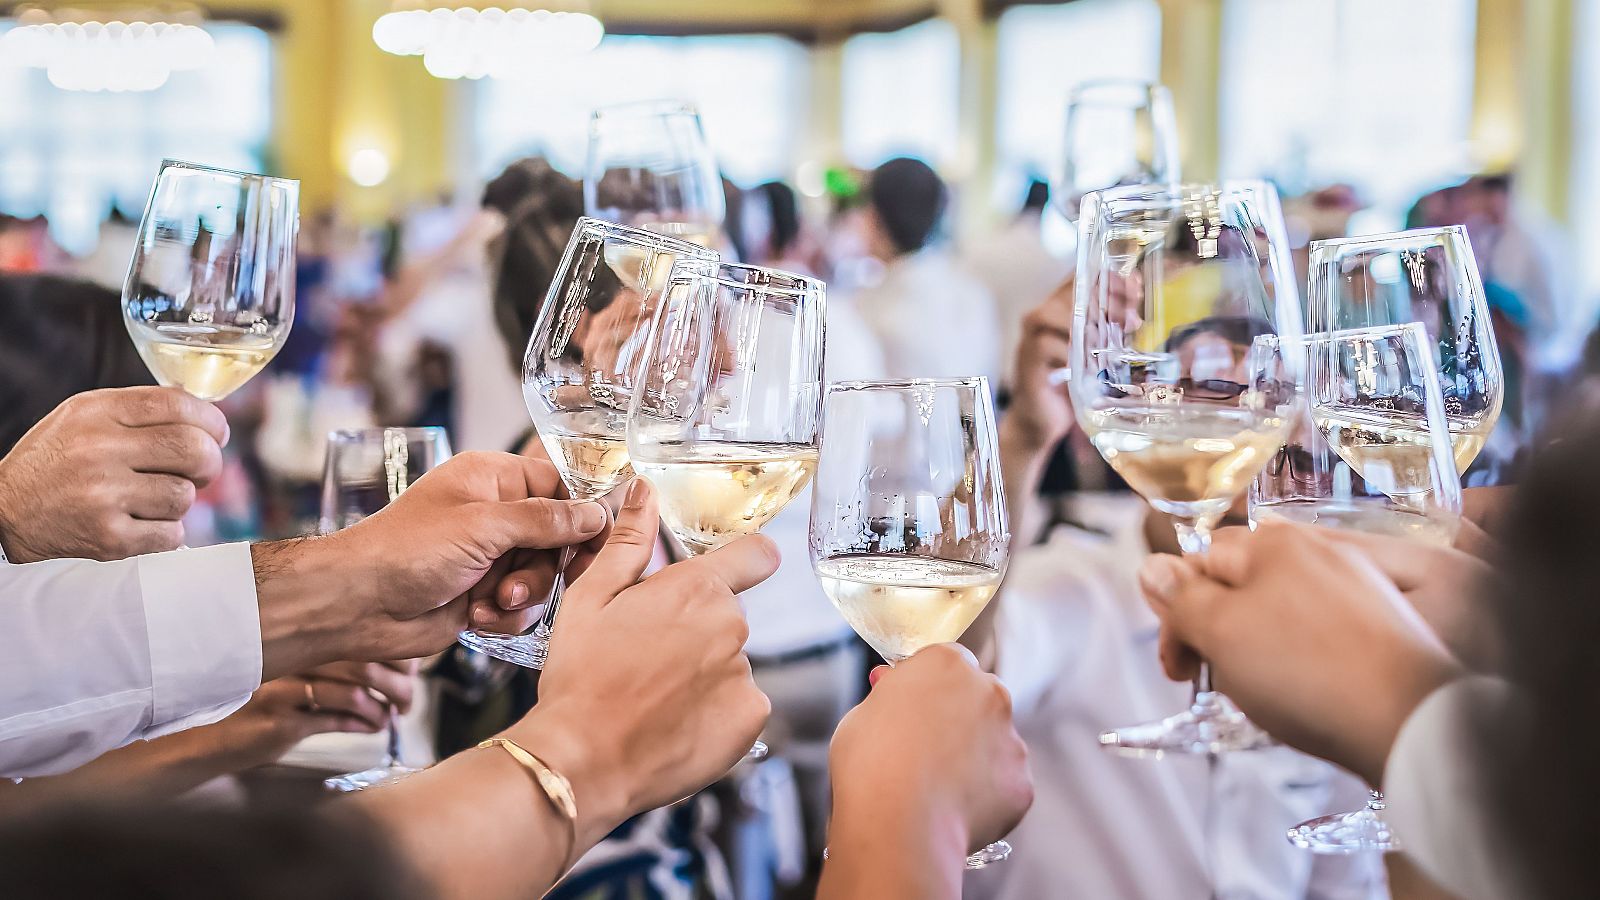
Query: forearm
[[893, 851], [145, 771], [478, 826], [298, 593]]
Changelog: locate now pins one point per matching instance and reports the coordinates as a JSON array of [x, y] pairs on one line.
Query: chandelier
[[466, 42], [109, 48]]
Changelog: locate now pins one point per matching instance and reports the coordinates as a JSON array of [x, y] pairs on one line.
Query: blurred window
[[751, 91], [1044, 52], [1377, 93], [902, 94], [72, 155]]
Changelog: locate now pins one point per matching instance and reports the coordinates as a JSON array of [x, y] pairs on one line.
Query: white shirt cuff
[[204, 631]]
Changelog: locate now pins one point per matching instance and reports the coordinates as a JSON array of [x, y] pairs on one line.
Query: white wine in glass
[[711, 493], [909, 535], [586, 350], [649, 166], [1428, 276], [209, 298], [1179, 382], [1372, 454]]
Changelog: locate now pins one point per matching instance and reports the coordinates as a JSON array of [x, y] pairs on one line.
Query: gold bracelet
[[555, 786]]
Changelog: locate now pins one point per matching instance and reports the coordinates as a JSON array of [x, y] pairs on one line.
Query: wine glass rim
[[1160, 190], [375, 433], [665, 106], [1416, 329], [902, 384], [631, 234], [172, 163], [1431, 234], [748, 277], [1079, 91]]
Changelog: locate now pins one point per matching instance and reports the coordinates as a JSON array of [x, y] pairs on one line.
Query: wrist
[[303, 592], [562, 740], [908, 845]]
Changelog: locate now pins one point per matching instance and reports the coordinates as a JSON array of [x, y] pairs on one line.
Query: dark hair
[[1240, 331], [909, 199], [1538, 752], [783, 209], [179, 852], [1037, 197], [541, 207]]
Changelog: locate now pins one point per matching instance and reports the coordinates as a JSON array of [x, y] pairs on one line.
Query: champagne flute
[[727, 413], [578, 376], [1174, 286], [649, 166], [908, 519], [1372, 453], [1427, 275], [1118, 133], [210, 292], [365, 470]]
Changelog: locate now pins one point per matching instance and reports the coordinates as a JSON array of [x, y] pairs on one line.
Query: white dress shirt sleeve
[[1436, 800], [95, 655]]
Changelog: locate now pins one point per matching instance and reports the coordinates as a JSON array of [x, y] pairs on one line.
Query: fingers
[[388, 684], [621, 562], [134, 537], [1184, 599], [140, 407], [344, 699], [182, 450], [742, 564], [541, 524], [164, 498]]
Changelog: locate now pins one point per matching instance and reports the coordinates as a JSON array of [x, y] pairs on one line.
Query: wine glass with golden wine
[[210, 292], [1175, 285]]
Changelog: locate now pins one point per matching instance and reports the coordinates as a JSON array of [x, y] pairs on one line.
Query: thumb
[[538, 523], [1180, 596], [621, 562]]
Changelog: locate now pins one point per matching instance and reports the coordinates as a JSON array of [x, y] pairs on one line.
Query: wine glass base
[[988, 856], [1362, 831], [526, 650], [1211, 725], [370, 778]]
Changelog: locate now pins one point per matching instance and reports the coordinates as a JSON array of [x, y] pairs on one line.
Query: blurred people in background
[[1018, 269], [107, 264], [931, 317], [776, 234]]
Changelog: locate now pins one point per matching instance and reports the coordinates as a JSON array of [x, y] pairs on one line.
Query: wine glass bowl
[[649, 165], [209, 297], [727, 414], [1117, 133], [1429, 276], [588, 346]]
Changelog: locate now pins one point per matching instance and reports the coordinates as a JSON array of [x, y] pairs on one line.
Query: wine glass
[[1371, 453], [650, 166], [1118, 133], [364, 471], [908, 516], [1427, 275], [727, 413], [210, 292], [1174, 286], [578, 376]]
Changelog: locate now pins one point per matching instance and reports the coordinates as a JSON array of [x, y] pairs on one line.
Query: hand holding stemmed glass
[[209, 298], [1176, 288], [365, 471], [909, 533], [726, 416], [578, 376]]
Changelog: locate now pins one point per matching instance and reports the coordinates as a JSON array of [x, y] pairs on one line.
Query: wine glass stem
[[1375, 801], [547, 622], [1194, 536], [394, 738]]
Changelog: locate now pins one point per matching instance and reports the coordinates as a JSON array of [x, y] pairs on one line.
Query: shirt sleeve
[[95, 655], [1435, 796]]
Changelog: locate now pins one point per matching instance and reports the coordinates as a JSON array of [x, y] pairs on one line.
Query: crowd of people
[[148, 648]]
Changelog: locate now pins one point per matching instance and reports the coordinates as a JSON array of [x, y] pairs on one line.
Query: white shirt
[[1020, 272], [96, 655], [1436, 795], [788, 611], [1076, 645], [932, 318]]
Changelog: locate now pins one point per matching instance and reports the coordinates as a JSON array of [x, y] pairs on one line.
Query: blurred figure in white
[[931, 317], [1018, 268]]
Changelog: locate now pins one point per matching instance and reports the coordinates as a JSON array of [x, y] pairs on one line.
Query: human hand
[[398, 584], [1040, 409], [108, 474], [1305, 633], [933, 742], [346, 697], [647, 696]]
